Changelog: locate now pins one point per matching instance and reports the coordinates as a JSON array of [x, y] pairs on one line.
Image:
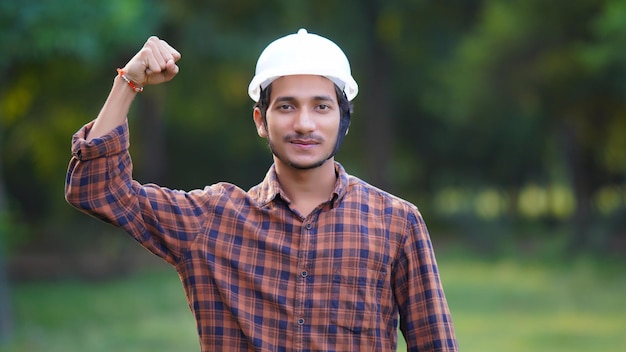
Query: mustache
[[303, 137]]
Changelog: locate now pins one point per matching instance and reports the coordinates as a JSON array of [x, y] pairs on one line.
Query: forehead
[[303, 86]]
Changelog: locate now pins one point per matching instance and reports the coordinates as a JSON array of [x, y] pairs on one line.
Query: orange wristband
[[132, 85]]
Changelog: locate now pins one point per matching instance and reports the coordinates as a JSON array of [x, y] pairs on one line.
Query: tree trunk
[[6, 318], [150, 137], [576, 163], [376, 111]]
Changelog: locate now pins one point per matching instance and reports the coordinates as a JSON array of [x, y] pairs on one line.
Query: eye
[[323, 107], [284, 107]]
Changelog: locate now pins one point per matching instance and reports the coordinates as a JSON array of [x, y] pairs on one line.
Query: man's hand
[[155, 63]]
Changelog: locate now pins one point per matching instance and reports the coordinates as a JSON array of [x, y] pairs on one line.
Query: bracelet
[[130, 83]]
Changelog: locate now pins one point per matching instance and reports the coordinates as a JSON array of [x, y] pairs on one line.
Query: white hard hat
[[303, 54]]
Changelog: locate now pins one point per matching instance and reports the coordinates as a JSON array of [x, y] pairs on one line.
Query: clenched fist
[[155, 63]]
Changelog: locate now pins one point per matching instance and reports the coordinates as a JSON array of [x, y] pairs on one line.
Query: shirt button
[[308, 226], [301, 321], [304, 274]]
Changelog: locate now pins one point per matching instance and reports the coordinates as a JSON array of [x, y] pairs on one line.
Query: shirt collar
[[270, 188]]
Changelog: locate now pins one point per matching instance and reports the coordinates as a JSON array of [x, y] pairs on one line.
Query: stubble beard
[[297, 166]]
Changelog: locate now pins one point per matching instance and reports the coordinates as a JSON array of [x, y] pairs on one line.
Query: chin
[[307, 166], [297, 164]]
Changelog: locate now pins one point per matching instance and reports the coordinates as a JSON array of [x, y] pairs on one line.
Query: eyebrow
[[288, 98]]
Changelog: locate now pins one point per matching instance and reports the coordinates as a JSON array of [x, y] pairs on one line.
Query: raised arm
[[155, 63], [99, 179]]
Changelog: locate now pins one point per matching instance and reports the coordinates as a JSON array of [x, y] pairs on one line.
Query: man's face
[[302, 120]]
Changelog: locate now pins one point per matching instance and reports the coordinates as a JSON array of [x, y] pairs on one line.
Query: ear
[[260, 124]]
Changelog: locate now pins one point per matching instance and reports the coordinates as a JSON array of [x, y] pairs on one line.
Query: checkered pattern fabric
[[259, 276]]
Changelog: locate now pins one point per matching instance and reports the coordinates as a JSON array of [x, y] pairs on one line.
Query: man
[[309, 259]]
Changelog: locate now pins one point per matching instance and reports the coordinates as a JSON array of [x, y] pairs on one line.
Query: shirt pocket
[[355, 298]]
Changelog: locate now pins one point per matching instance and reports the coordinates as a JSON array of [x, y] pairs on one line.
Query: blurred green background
[[503, 121]]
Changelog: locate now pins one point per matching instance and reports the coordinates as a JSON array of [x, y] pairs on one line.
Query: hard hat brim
[[347, 84]]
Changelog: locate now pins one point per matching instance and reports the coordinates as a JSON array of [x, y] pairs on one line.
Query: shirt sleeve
[[99, 182], [425, 319]]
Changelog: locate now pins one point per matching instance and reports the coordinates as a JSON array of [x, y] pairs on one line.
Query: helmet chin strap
[[344, 124]]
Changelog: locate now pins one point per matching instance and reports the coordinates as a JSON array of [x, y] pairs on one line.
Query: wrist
[[131, 84]]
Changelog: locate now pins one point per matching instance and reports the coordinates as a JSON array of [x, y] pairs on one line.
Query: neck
[[307, 188]]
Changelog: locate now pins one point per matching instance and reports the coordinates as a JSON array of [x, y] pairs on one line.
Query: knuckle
[[145, 52]]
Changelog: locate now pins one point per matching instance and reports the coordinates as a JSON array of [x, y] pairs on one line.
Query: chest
[[277, 240]]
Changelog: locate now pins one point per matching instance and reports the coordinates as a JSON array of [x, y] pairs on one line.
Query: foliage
[[494, 105], [47, 72]]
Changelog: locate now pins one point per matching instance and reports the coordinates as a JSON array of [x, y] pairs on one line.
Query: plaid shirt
[[259, 276]]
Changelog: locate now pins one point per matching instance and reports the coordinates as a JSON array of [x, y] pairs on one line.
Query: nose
[[304, 122]]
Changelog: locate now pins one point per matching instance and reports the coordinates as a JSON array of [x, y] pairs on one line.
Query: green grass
[[511, 306], [499, 305], [146, 312]]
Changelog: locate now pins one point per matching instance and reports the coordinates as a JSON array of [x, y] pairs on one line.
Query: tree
[[46, 74], [532, 78], [6, 318]]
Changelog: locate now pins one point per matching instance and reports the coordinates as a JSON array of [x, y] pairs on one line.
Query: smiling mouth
[[303, 142]]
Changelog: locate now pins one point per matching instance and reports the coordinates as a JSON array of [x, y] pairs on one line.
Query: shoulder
[[218, 194], [373, 196], [401, 219]]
